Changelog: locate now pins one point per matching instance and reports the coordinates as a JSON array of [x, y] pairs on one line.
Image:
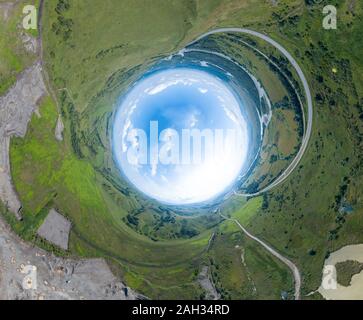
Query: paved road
[[306, 137], [295, 271], [307, 134], [293, 164]]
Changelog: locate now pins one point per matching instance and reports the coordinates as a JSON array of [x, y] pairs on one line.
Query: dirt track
[[295, 271], [56, 278], [27, 272]]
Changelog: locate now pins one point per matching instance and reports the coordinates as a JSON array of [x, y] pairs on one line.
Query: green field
[[94, 51], [13, 57], [347, 269]]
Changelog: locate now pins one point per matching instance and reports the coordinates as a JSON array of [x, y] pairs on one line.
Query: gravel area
[[59, 129], [206, 283], [55, 229], [27, 272], [30, 273], [16, 109]]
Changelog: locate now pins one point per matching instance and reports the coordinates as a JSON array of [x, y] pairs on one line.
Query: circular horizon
[[179, 136]]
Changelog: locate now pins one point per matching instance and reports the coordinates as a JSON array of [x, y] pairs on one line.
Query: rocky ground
[[55, 229], [59, 129], [16, 109], [5, 10], [27, 272], [206, 283]]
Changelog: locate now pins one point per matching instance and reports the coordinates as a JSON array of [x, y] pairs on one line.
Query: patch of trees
[[186, 232], [132, 220], [273, 158], [69, 112], [310, 2], [284, 104], [115, 182], [105, 52], [73, 128], [265, 202], [254, 186], [162, 223], [312, 252], [292, 101], [340, 218], [62, 6], [319, 98], [63, 26], [359, 107], [209, 43], [93, 140], [223, 292], [342, 193]]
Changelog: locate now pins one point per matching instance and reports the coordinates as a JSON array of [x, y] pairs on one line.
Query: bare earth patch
[[55, 229], [30, 43], [59, 129], [206, 283], [354, 291], [16, 109], [27, 272], [30, 273], [5, 10]]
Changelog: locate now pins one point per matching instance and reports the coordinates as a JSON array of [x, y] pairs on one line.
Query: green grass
[[282, 136], [136, 32], [112, 37], [301, 212], [346, 270], [72, 185], [13, 56], [246, 212], [261, 276], [47, 174]]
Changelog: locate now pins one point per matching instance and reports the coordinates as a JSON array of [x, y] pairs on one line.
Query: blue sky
[[180, 99]]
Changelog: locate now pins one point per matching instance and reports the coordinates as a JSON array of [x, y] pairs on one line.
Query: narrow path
[[309, 101], [305, 140], [41, 56], [286, 261], [295, 271]]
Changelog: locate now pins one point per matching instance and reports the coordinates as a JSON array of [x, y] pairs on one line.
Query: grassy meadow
[[93, 51]]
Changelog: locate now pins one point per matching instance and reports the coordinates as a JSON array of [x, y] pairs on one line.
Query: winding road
[[295, 271], [307, 134], [305, 141], [296, 160]]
